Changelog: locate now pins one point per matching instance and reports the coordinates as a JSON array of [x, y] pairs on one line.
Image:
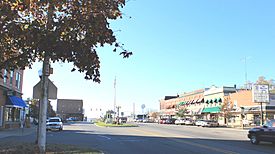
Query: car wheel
[[254, 139]]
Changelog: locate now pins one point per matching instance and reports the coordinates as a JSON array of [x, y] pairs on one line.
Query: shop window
[[17, 78], [11, 77], [5, 76], [12, 114]]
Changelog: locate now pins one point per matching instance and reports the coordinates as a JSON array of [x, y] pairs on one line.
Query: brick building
[[12, 107], [67, 108], [242, 104]]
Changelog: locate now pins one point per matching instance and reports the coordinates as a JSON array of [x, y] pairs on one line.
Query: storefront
[[14, 112]]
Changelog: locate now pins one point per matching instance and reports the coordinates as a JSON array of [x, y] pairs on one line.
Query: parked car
[[122, 119], [189, 122], [263, 133], [138, 120], [170, 121], [179, 121], [162, 120], [199, 122], [54, 123], [213, 123]]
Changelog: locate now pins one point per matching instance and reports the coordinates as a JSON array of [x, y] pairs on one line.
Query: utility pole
[[134, 111], [43, 106], [245, 71], [45, 86], [118, 107], [115, 94]]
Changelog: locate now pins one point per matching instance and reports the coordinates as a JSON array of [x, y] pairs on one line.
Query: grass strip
[[115, 125]]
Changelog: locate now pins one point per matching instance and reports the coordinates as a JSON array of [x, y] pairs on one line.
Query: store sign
[[260, 93]]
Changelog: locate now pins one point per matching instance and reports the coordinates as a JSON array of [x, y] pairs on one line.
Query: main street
[[155, 138]]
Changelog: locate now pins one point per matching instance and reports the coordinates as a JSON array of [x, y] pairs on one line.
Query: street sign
[[52, 90], [142, 106], [260, 93]]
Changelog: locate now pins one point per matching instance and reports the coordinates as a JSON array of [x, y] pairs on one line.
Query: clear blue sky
[[178, 46]]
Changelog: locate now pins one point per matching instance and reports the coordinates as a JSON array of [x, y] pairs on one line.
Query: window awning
[[15, 101], [211, 110], [199, 100], [198, 111], [182, 103]]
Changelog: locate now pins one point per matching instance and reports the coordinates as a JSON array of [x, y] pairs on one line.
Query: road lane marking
[[108, 138], [205, 146], [170, 136]]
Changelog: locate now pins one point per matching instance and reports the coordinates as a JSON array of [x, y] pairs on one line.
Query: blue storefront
[[14, 112]]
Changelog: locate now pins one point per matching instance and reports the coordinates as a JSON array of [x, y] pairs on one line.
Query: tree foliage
[[76, 29], [34, 109], [270, 82], [227, 107], [181, 113]]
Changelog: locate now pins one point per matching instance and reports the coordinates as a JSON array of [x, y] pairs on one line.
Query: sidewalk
[[17, 132]]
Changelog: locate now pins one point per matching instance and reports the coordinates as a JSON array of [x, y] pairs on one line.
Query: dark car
[[170, 121], [263, 133]]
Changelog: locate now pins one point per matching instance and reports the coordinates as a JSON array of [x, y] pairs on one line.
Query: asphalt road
[[156, 138]]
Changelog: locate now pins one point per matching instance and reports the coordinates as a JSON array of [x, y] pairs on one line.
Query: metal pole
[[245, 73], [114, 96], [43, 107], [262, 115], [45, 85]]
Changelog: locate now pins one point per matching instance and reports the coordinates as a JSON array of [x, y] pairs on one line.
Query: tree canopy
[[181, 113], [77, 28]]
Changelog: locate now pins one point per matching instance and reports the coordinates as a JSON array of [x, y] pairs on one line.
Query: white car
[[179, 122], [209, 123], [54, 123], [189, 122], [200, 122]]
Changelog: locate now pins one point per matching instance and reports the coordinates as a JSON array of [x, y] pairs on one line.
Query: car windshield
[[54, 120]]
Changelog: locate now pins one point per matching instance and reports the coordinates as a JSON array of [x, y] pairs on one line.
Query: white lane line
[[108, 138]]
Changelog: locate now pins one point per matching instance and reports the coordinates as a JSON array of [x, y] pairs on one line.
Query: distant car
[[170, 121], [179, 121], [213, 123], [54, 123], [208, 123], [162, 120], [123, 119], [263, 133], [138, 120], [199, 122], [189, 122]]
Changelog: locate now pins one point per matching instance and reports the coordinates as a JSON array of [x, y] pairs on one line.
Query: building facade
[[168, 106], [193, 103], [247, 112], [214, 98], [12, 107], [70, 108]]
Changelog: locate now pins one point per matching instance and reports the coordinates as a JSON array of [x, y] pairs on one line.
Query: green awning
[[211, 101], [206, 101], [216, 100], [211, 109], [219, 100], [182, 103]]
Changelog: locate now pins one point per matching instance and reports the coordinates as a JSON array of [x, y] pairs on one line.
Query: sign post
[[260, 94]]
